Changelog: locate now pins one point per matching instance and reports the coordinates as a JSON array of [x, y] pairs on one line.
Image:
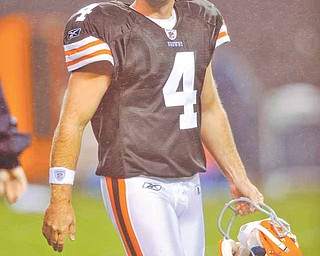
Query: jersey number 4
[[85, 11], [183, 68]]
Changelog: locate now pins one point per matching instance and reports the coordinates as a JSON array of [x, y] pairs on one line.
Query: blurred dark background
[[269, 81]]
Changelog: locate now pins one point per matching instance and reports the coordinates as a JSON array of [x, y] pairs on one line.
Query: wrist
[[61, 194], [238, 180], [61, 176]]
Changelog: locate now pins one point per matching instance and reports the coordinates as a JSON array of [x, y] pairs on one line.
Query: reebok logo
[[74, 33], [149, 185]]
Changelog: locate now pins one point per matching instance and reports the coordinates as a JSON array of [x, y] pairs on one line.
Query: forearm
[[218, 139], [66, 146]]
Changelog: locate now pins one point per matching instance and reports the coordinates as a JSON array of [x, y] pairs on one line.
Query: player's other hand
[[59, 221], [13, 183], [244, 188]]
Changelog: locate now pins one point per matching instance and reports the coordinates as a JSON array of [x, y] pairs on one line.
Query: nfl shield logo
[[59, 175], [171, 33]]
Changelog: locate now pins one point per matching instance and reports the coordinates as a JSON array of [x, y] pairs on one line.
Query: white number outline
[[85, 11], [183, 68]]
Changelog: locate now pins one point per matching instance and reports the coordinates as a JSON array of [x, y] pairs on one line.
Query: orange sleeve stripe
[[70, 63], [113, 205], [82, 48], [125, 215], [222, 34]]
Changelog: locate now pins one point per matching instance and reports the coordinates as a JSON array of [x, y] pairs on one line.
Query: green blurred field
[[20, 234]]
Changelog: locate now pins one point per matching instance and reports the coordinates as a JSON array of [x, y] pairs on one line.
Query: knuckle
[[62, 230], [49, 226], [58, 229], [60, 245]]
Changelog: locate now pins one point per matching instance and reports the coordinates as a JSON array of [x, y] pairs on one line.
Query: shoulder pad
[[203, 9], [113, 9], [103, 20]]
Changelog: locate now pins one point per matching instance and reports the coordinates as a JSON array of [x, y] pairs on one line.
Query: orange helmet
[[268, 237]]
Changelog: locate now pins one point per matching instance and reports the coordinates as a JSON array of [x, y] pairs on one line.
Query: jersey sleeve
[[12, 142], [223, 36], [84, 42]]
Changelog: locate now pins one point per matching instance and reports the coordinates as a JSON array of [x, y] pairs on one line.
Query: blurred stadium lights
[[289, 135]]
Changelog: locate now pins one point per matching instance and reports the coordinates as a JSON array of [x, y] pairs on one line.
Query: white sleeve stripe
[[222, 40], [223, 29], [80, 43], [91, 60], [92, 49]]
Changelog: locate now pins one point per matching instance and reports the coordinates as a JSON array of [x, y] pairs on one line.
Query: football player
[[13, 181], [141, 73]]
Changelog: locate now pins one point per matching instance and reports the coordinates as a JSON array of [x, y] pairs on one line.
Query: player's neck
[[158, 9]]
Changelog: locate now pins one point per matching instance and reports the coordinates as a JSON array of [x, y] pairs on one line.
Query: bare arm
[[84, 93], [217, 136], [216, 132], [82, 97]]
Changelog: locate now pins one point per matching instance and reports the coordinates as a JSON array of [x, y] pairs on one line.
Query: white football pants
[[156, 216]]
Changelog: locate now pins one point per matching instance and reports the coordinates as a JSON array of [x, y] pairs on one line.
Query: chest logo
[[171, 33]]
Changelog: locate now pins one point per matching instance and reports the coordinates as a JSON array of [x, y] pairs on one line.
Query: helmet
[[268, 237]]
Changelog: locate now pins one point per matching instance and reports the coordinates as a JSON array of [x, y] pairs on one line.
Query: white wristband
[[61, 175]]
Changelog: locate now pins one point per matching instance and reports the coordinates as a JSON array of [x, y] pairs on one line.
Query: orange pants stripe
[[117, 193]]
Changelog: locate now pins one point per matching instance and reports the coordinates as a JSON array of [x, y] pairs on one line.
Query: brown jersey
[[148, 122]]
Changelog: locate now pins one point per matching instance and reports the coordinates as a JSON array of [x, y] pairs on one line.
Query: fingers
[[244, 208], [4, 176], [19, 174], [55, 237], [46, 231], [2, 188], [72, 231], [12, 183], [58, 238], [59, 220], [246, 189], [256, 197], [13, 190], [259, 199], [61, 241], [16, 185]]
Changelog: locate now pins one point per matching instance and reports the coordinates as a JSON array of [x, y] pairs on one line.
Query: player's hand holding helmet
[[244, 188], [268, 237]]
